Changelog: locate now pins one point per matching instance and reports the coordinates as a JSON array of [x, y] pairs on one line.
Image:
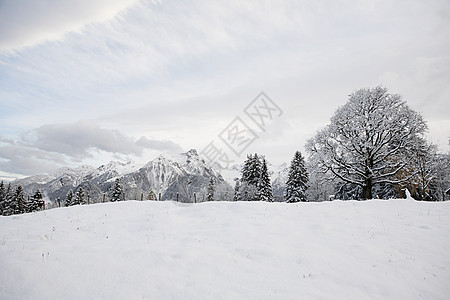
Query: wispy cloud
[[160, 145], [183, 70], [45, 148], [29, 23], [18, 158], [79, 139]]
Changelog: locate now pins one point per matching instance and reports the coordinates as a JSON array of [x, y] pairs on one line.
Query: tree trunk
[[367, 189]]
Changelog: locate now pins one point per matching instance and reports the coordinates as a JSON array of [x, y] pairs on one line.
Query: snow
[[408, 195], [230, 174], [278, 173], [120, 168], [394, 249]]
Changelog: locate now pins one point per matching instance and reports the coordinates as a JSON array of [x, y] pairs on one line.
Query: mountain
[[279, 176], [184, 174]]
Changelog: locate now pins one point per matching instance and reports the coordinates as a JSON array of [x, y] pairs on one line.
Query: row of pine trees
[[255, 184], [79, 197], [14, 201]]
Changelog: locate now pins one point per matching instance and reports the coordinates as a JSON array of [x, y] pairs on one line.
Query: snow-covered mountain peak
[[195, 164], [162, 159], [192, 152], [193, 158], [188, 157], [120, 168], [184, 174], [79, 171]]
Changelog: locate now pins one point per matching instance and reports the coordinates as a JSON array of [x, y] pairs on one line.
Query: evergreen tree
[[250, 178], [79, 197], [37, 202], [151, 195], [255, 170], [297, 182], [116, 191], [19, 203], [246, 168], [2, 197], [237, 194], [255, 180], [249, 192], [251, 170], [264, 185], [211, 190], [8, 204], [69, 198]]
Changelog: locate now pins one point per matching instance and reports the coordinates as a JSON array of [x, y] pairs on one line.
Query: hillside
[[395, 249]]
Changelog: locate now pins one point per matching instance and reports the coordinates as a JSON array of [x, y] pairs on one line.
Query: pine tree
[[255, 180], [250, 178], [79, 197], [297, 182], [255, 170], [249, 192], [151, 195], [237, 194], [211, 190], [246, 168], [69, 198], [116, 191], [37, 202], [2, 197], [8, 204], [251, 170], [264, 185], [19, 201]]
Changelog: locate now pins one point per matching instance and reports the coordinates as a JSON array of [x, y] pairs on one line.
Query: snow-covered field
[[397, 249]]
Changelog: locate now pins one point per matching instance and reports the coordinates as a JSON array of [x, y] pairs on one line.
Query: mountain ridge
[[158, 175], [186, 175]]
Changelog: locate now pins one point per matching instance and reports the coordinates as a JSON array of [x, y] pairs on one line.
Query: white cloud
[[21, 159], [79, 139], [50, 146], [28, 23], [183, 71]]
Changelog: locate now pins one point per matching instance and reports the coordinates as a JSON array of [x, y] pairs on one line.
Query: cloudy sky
[[86, 82]]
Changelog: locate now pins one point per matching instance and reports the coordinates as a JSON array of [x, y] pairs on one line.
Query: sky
[[87, 82]]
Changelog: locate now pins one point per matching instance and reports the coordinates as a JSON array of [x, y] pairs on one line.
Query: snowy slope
[[228, 250]]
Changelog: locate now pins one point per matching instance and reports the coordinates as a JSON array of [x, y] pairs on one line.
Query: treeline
[[13, 201], [255, 183], [373, 147]]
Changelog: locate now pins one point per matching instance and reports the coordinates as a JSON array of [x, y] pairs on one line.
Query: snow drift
[[375, 249]]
